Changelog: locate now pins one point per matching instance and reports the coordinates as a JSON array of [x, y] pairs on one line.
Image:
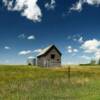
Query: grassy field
[[28, 83]]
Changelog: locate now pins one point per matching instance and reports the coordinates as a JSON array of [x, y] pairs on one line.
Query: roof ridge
[[45, 50]]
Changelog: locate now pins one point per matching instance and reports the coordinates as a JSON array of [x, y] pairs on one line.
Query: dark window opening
[[52, 56], [58, 60]]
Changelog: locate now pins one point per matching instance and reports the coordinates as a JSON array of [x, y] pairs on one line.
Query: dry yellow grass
[[28, 83]]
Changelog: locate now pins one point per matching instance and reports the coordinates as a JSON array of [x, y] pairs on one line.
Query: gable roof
[[47, 49]]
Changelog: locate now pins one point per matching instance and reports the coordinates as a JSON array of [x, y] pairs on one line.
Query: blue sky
[[26, 26]]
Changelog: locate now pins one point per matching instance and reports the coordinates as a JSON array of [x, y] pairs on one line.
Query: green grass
[[28, 83]]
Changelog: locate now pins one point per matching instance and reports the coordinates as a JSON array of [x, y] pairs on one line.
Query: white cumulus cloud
[[22, 36], [51, 6], [71, 50], [31, 57], [7, 48], [25, 52], [92, 47], [77, 38], [86, 57], [97, 54], [27, 8], [38, 50], [31, 37], [79, 5], [81, 40]]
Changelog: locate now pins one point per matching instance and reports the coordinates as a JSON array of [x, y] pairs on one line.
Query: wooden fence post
[[69, 70]]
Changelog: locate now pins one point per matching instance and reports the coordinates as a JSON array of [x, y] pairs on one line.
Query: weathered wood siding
[[46, 60], [40, 61]]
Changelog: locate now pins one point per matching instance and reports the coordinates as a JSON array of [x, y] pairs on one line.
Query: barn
[[49, 57]]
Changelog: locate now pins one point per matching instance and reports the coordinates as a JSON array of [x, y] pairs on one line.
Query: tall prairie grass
[[32, 83]]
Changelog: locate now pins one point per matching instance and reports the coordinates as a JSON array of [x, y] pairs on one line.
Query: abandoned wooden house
[[49, 57]]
